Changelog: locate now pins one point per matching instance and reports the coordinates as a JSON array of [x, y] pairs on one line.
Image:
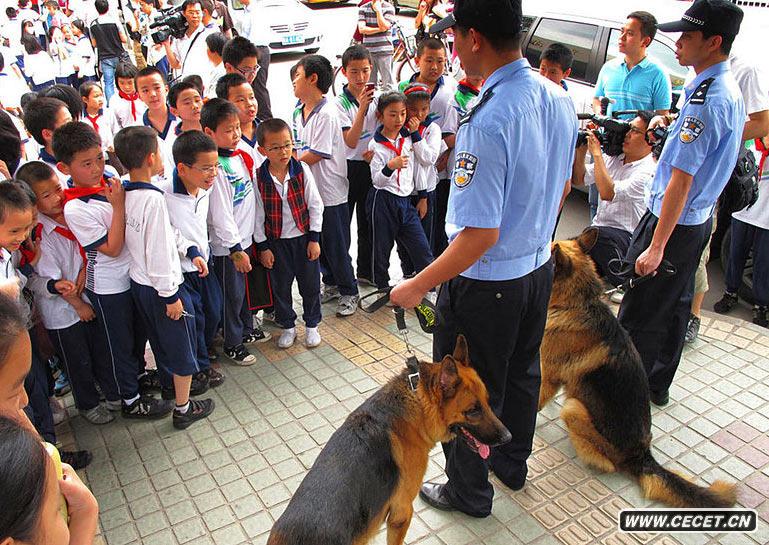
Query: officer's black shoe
[[434, 494], [514, 481], [660, 399]]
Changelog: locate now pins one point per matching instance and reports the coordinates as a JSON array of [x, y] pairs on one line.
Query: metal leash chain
[[412, 363]]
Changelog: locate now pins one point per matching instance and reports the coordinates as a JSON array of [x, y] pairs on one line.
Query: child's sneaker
[[114, 406], [198, 386], [268, 317], [347, 305], [215, 378], [287, 338], [312, 337], [727, 303], [240, 355], [61, 386], [98, 415], [150, 382], [147, 408], [257, 336], [761, 315], [197, 410], [78, 459], [329, 293], [212, 355]]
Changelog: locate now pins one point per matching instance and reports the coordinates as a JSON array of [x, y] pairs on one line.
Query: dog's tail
[[672, 489]]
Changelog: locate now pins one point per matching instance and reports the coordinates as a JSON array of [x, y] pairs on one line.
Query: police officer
[[690, 176], [496, 273]]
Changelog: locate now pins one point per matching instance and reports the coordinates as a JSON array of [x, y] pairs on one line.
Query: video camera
[[656, 138], [611, 131], [170, 23]]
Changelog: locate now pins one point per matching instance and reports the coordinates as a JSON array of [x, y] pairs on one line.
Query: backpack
[[741, 190]]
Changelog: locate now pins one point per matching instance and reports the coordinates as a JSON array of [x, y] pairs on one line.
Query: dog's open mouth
[[482, 449]]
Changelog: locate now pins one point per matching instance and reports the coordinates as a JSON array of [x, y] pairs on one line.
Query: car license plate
[[293, 39]]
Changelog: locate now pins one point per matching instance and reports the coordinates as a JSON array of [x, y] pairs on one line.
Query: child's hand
[[413, 124], [443, 161], [33, 246], [65, 288], [397, 163], [82, 507], [368, 155], [85, 312], [241, 261], [80, 281], [201, 266], [115, 193], [174, 310], [365, 98], [422, 207], [313, 250], [267, 259]]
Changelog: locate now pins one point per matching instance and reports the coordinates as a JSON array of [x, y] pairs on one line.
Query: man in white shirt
[[189, 54], [622, 182], [256, 28]]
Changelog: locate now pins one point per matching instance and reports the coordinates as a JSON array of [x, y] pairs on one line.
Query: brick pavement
[[225, 480]]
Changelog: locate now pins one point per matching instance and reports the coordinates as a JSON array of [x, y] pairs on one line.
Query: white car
[[290, 24]]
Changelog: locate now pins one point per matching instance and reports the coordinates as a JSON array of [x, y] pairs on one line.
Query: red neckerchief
[[66, 233], [93, 121], [397, 151], [72, 193], [247, 159], [132, 98], [764, 153]]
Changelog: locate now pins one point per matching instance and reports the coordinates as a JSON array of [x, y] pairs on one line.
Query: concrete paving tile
[[144, 506], [218, 518], [737, 468], [758, 421], [151, 523], [573, 534], [231, 535], [115, 517], [694, 463], [529, 498], [181, 511], [274, 495], [200, 484], [257, 524], [164, 537], [192, 469], [596, 523], [753, 456], [189, 530], [122, 535], [550, 515], [526, 528], [759, 482], [208, 501]]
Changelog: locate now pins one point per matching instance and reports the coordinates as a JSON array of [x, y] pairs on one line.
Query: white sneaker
[[347, 306], [328, 293], [98, 415], [287, 338], [312, 338]]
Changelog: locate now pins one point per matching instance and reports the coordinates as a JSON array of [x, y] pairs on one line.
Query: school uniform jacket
[[102, 124], [398, 182], [250, 147], [150, 240], [189, 215], [233, 206], [426, 154], [125, 111]]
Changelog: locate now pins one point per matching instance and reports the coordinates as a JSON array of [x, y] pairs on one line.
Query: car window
[[577, 36], [659, 52]]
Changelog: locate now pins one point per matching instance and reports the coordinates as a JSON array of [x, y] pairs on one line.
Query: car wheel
[[746, 287]]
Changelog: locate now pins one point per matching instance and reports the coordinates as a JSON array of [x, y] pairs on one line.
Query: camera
[[611, 131], [170, 23], [656, 138]]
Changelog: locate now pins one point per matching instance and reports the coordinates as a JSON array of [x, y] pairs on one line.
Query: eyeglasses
[[637, 130], [248, 72], [288, 146], [208, 171]]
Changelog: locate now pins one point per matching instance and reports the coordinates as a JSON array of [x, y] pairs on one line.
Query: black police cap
[[720, 17], [490, 17]]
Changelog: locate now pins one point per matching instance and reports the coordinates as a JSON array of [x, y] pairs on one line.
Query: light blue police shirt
[[513, 157], [645, 87], [704, 142]]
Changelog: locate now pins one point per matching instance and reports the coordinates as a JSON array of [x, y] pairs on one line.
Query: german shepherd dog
[[372, 466], [586, 350]]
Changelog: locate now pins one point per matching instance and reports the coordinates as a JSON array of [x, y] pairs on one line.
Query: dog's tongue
[[483, 450]]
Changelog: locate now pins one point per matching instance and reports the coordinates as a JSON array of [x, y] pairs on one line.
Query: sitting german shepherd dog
[[586, 350], [372, 466]]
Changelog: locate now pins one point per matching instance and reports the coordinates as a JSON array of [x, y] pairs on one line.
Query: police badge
[[691, 128], [464, 168]]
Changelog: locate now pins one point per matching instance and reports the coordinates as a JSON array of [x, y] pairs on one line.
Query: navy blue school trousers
[[394, 218], [359, 176], [427, 224], [291, 262], [74, 345], [335, 261], [237, 321], [174, 342], [115, 351], [198, 290]]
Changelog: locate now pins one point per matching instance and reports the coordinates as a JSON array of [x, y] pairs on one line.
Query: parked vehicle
[[290, 22]]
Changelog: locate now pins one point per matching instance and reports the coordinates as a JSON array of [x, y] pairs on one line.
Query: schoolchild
[[214, 48], [42, 117], [153, 92], [236, 89], [93, 112], [126, 109]]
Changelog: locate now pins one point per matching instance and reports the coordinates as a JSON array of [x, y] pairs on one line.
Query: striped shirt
[[381, 42]]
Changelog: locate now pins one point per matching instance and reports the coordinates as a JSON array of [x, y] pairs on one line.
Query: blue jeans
[[107, 67]]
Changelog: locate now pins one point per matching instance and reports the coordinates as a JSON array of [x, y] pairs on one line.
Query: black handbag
[[258, 285]]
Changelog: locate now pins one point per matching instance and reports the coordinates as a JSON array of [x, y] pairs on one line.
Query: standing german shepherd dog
[[372, 466], [586, 350]]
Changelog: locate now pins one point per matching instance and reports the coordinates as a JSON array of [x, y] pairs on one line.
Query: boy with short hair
[[153, 91], [215, 43], [157, 284], [357, 112], [185, 102], [319, 143], [42, 117], [231, 227], [237, 89], [289, 219], [197, 162], [126, 109], [95, 213], [66, 314], [240, 56], [555, 63]]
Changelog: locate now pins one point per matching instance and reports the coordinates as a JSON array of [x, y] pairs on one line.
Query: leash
[[621, 268], [426, 313], [412, 363]]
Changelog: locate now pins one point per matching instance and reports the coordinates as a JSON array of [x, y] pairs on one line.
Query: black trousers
[[503, 323], [359, 176], [612, 243], [440, 241], [260, 84], [655, 313]]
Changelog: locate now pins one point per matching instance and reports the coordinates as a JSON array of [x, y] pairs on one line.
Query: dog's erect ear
[[587, 239], [461, 352], [562, 261], [449, 377]]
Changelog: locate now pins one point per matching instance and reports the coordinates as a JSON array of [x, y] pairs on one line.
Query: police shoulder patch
[[691, 129], [464, 169]]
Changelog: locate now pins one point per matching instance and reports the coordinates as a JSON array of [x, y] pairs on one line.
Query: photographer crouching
[[621, 181]]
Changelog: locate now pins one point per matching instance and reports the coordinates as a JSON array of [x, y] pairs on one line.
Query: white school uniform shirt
[[348, 107], [425, 156], [288, 226], [232, 207], [11, 89], [209, 82], [189, 218], [7, 265], [40, 68], [60, 259], [86, 57], [12, 32], [50, 160], [90, 218], [398, 182], [168, 129], [151, 242], [192, 53], [121, 115], [103, 126], [251, 147], [321, 133]]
